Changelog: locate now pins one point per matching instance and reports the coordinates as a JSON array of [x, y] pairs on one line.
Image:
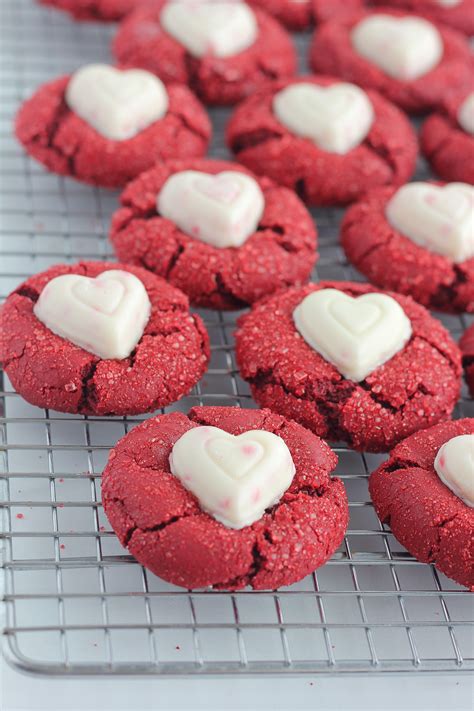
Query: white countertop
[[421, 692]]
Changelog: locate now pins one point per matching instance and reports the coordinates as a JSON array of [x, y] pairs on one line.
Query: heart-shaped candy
[[336, 118], [222, 210], [454, 464], [235, 478], [221, 28], [105, 316], [440, 219], [117, 103], [357, 335], [466, 114], [405, 48]]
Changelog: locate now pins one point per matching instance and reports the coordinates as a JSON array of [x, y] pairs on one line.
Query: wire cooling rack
[[76, 602]]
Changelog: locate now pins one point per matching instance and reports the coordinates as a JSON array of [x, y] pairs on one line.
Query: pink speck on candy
[[20, 515], [446, 230], [256, 496], [430, 199], [249, 449], [62, 546], [442, 461], [224, 505]]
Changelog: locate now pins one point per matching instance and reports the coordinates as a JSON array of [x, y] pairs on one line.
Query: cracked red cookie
[[94, 10], [294, 15], [324, 10], [448, 144], [280, 252], [386, 155], [433, 524], [52, 372], [458, 15], [142, 42], [299, 14], [163, 526], [333, 52], [416, 388], [371, 243], [66, 144], [466, 345]]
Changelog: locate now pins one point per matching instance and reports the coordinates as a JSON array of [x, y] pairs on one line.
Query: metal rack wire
[[76, 602]]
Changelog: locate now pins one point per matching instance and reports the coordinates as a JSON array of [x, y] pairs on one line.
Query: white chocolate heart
[[454, 464], [336, 118], [119, 104], [466, 114], [105, 316], [235, 478], [440, 219], [221, 28], [405, 48], [222, 210], [357, 335]]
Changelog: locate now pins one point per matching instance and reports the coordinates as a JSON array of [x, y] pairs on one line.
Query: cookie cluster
[[228, 497]]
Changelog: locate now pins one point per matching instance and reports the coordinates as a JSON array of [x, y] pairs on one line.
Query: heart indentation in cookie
[[117, 103], [235, 478], [440, 219], [103, 295], [222, 210], [235, 457], [223, 188], [221, 28], [357, 335], [454, 465], [405, 48], [105, 316], [466, 114], [336, 118]]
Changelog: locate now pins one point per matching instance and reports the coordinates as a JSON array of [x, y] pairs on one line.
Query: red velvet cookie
[[459, 16], [52, 372], [386, 156], [433, 524], [324, 10], [333, 52], [279, 253], [294, 15], [393, 261], [416, 388], [142, 42], [299, 14], [467, 349], [66, 144], [95, 10], [447, 146], [163, 526]]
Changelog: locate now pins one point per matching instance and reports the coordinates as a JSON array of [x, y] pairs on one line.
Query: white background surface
[[430, 693]]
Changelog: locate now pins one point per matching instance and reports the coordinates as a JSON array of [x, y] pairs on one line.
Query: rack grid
[[76, 602]]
